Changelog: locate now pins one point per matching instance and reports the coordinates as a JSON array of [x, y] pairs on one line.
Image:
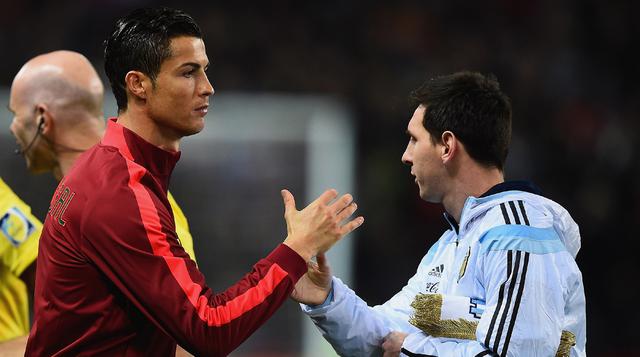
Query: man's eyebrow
[[192, 64], [195, 65]]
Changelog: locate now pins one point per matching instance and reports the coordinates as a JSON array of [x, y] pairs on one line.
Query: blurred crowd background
[[571, 69]]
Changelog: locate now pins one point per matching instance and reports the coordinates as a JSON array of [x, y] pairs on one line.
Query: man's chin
[[197, 125], [422, 193], [37, 166], [428, 197], [37, 170], [192, 131]]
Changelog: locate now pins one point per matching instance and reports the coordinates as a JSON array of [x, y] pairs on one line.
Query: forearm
[[352, 327], [171, 292], [208, 324]]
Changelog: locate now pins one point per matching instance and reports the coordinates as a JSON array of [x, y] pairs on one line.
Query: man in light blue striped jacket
[[502, 281]]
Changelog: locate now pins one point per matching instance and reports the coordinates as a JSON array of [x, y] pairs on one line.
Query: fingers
[[321, 259], [312, 266], [351, 225], [323, 262], [327, 196], [347, 212], [340, 204], [320, 263], [392, 343], [386, 345], [289, 202]]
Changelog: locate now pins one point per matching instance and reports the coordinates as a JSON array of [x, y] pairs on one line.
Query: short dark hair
[[471, 106], [141, 41]]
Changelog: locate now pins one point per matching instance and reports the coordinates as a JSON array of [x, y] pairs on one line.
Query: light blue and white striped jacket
[[513, 251]]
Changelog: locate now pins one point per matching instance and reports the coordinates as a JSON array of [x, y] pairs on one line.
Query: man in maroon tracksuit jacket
[[112, 278]]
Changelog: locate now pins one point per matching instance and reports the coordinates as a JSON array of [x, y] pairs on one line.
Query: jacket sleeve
[[136, 247], [527, 276], [355, 329]]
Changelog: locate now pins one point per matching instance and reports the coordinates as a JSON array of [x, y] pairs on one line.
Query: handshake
[[313, 231]]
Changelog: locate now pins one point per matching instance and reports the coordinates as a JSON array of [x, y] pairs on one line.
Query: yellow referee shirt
[[19, 234], [182, 227]]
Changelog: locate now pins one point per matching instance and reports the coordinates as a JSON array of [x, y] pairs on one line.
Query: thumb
[[323, 262], [289, 202]]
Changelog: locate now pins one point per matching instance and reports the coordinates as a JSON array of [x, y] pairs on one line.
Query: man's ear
[[450, 146], [137, 84], [44, 118]]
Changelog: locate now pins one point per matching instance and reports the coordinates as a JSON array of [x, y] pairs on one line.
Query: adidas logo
[[437, 271]]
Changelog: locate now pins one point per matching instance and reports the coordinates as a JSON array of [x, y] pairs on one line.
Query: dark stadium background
[[571, 68]]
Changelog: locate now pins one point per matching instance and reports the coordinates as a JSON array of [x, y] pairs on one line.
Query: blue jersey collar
[[525, 186]]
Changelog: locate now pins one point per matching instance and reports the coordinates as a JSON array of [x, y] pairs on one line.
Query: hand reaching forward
[[317, 227], [393, 344], [314, 286]]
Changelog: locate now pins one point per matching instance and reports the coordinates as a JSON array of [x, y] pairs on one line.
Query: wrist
[[299, 248], [325, 299]]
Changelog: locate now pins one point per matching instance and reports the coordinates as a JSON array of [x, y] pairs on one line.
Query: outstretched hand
[[314, 286], [317, 227]]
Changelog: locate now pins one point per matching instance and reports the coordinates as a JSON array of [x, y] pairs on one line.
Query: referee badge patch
[[15, 226]]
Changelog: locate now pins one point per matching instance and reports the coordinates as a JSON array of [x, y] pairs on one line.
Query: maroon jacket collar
[[157, 161]]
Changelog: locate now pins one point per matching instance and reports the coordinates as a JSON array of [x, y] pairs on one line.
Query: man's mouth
[[202, 110]]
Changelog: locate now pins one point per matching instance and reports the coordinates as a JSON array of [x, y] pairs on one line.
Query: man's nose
[[12, 127], [207, 88], [406, 158]]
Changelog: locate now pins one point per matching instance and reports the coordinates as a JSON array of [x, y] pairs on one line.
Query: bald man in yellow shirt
[[56, 100]]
